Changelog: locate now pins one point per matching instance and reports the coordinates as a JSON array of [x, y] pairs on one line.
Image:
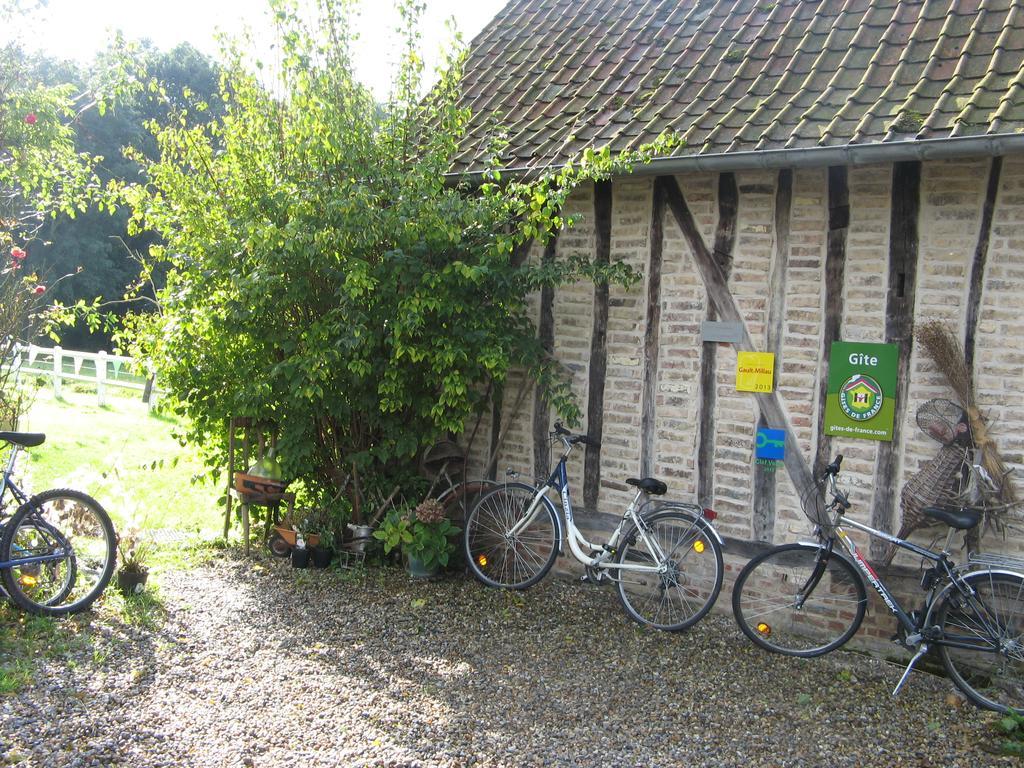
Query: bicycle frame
[[21, 498], [915, 628], [578, 544]]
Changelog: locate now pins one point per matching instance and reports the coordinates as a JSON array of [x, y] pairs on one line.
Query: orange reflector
[[698, 547], [28, 581], [764, 629], [481, 560]]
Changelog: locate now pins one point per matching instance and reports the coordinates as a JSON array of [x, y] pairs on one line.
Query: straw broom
[[945, 351]]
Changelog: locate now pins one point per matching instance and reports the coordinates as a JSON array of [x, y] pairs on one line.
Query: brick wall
[[952, 199]]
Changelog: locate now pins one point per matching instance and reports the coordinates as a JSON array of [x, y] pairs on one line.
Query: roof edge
[[989, 145]]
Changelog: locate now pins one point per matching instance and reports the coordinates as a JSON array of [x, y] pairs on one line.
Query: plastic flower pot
[[131, 582], [300, 558], [322, 557], [418, 570]]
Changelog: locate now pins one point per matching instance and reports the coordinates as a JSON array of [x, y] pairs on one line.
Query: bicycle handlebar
[[833, 468], [838, 496], [570, 438]]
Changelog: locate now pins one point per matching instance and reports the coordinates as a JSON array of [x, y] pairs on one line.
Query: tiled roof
[[740, 75]]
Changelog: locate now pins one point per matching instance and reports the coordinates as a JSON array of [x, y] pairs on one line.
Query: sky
[[76, 29]]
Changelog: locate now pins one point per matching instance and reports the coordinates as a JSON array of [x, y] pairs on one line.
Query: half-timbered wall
[[804, 257]]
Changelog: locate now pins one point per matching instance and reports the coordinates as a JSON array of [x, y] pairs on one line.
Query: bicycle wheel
[[65, 523], [50, 580], [497, 556], [774, 608], [690, 561], [987, 663]]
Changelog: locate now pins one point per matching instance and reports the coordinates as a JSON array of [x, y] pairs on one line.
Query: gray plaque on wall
[[712, 330]]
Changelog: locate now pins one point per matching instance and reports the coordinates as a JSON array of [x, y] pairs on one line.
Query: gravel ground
[[259, 665]]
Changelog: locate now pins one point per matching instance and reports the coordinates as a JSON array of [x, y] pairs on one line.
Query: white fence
[[98, 368]]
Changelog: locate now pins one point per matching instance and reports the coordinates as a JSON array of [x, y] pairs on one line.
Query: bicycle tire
[[992, 680], [693, 579], [496, 558], [764, 601], [81, 522], [460, 498]]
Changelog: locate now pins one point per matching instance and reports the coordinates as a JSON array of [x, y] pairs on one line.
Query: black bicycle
[[807, 599], [57, 548]]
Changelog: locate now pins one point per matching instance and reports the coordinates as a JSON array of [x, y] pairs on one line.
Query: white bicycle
[[665, 558]]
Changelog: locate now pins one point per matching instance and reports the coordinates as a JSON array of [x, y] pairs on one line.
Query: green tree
[[41, 172], [323, 273], [94, 246]]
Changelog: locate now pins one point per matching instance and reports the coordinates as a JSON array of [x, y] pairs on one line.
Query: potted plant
[[323, 552], [423, 535], [133, 573]]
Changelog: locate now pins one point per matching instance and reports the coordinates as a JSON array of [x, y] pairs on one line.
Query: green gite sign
[[861, 390]]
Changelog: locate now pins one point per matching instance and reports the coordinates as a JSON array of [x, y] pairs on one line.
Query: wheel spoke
[[685, 575]]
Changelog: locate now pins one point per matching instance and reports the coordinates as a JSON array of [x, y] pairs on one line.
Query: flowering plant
[[20, 312], [424, 533], [135, 550]]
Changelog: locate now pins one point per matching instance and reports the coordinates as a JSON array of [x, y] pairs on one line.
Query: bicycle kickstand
[[921, 651]]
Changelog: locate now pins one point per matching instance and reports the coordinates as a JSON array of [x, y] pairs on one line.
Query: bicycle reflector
[[698, 546], [27, 580], [709, 514], [481, 560], [763, 629]]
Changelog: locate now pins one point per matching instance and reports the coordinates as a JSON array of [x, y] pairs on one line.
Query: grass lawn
[[131, 463], [125, 457]]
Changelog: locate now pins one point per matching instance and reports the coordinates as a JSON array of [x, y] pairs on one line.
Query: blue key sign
[[771, 444]]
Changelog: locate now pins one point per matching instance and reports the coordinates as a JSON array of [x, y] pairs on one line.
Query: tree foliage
[[95, 245], [324, 273], [41, 171]]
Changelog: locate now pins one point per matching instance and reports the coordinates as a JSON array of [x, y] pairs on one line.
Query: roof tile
[[732, 75]]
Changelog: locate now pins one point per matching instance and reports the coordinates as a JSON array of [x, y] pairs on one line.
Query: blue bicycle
[[57, 549]]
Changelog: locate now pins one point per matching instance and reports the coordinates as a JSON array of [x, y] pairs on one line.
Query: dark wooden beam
[[498, 395], [725, 241], [763, 525], [835, 276], [978, 266], [770, 405], [598, 346], [521, 252], [546, 336], [899, 330], [652, 333]]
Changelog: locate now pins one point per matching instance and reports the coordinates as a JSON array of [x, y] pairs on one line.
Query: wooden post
[[835, 277], [725, 241], [58, 371], [978, 267], [716, 284], [498, 393], [231, 478], [598, 347], [101, 378], [763, 524], [899, 329], [652, 333], [541, 407]]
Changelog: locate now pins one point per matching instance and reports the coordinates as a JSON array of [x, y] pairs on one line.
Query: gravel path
[[262, 666]]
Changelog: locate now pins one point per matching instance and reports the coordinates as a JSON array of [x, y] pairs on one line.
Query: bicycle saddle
[[24, 439], [961, 519], [649, 485]]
